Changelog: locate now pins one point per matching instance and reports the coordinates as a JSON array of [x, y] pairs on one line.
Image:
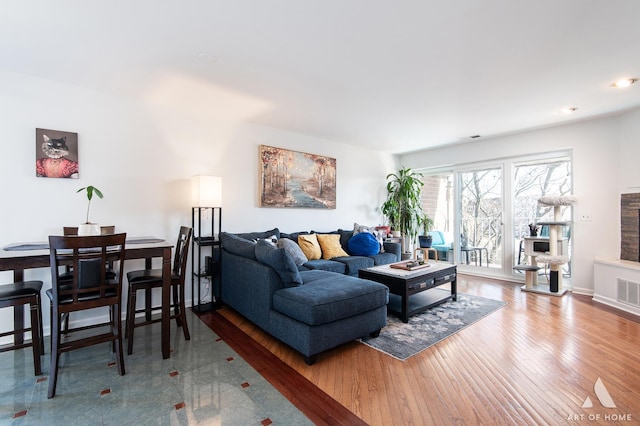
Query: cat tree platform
[[554, 259]]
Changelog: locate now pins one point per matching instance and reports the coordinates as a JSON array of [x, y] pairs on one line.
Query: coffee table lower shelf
[[418, 303]]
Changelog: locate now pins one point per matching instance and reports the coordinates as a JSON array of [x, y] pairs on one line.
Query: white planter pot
[[85, 229]]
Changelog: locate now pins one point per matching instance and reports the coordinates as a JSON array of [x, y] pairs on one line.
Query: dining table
[[18, 257]]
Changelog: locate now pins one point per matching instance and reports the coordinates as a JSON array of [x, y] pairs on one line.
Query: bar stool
[[148, 279], [17, 295]]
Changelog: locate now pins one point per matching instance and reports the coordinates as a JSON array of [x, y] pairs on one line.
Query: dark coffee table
[[409, 289]]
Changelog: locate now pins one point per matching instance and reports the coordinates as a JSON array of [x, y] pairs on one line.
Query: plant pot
[[396, 234], [425, 241], [85, 229]]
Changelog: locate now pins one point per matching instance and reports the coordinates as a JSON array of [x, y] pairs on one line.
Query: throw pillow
[[380, 235], [236, 245], [310, 246], [294, 250], [362, 228], [330, 245], [273, 239], [254, 236], [363, 244], [280, 261]]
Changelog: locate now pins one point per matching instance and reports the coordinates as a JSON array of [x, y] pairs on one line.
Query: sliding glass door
[[471, 204], [480, 218], [437, 199], [531, 180]]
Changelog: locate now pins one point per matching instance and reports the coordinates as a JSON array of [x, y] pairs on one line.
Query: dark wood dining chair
[[67, 274], [89, 288], [20, 294], [147, 279]]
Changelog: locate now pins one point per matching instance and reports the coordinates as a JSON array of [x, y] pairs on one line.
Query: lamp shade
[[206, 191]]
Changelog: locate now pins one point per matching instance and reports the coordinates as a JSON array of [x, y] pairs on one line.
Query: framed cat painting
[[56, 154]]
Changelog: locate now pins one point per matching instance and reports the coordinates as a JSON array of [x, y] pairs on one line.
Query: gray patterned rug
[[402, 341]]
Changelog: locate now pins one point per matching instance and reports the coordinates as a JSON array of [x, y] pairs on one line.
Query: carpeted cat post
[[554, 259]]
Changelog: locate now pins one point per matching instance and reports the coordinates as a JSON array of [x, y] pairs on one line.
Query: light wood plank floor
[[535, 361]]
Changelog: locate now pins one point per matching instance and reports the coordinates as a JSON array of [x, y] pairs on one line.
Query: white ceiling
[[395, 75]]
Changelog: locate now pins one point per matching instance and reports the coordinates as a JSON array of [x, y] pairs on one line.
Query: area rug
[[402, 341]]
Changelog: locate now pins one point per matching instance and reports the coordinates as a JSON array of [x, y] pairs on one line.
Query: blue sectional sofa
[[311, 307]]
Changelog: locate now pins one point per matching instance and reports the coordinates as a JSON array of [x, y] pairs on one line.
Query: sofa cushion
[[237, 245], [310, 246], [364, 244], [294, 251], [330, 245], [345, 236], [326, 265], [329, 299], [384, 258], [294, 235], [355, 263], [278, 259], [255, 236]]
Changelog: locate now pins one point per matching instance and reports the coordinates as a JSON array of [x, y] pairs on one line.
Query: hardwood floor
[[535, 361]]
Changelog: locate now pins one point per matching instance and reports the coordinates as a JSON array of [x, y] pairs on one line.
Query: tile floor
[[204, 382]]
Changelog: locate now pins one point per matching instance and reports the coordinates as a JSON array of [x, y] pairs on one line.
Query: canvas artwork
[[56, 154], [296, 179]]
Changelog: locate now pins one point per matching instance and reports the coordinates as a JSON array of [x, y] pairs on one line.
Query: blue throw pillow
[[363, 244], [280, 260], [236, 245]]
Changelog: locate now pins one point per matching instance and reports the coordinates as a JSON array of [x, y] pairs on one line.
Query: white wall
[[142, 152], [596, 160], [629, 135]]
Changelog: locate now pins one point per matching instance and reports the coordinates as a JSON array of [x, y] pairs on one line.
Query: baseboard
[[615, 304]]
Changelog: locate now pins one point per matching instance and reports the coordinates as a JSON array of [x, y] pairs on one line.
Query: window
[[474, 206], [532, 180]]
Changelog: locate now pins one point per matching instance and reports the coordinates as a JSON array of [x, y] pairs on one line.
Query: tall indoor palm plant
[[402, 206]]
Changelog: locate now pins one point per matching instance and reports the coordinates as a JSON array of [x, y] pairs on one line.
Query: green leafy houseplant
[[402, 206], [90, 191], [426, 223]]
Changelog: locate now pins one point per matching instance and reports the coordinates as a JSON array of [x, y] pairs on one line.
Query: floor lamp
[[206, 192]]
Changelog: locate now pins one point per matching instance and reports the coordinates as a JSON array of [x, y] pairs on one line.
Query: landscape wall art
[[296, 179]]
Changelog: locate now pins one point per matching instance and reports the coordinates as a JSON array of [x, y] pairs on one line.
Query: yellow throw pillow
[[310, 247], [330, 245]]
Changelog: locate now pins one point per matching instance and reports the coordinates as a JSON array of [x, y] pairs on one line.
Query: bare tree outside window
[[481, 213]]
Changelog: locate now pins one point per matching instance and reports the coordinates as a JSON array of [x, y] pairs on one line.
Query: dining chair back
[[147, 279], [67, 274], [16, 295], [73, 230], [90, 287]]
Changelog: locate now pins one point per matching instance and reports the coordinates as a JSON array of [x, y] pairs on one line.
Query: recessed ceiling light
[[625, 82], [569, 110]]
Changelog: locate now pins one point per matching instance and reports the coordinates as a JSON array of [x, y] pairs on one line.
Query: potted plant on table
[[88, 228], [425, 239], [402, 207]]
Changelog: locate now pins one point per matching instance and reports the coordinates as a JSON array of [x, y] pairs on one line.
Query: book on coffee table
[[409, 265]]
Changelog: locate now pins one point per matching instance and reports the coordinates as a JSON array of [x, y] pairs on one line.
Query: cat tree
[[552, 257]]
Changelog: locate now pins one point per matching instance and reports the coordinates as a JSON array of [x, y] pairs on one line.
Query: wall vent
[[628, 292]]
